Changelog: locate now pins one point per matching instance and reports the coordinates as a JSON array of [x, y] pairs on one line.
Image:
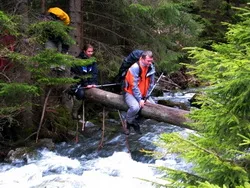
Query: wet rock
[[19, 155], [22, 154], [45, 143]]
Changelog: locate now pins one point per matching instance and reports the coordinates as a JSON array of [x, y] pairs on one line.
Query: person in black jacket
[[87, 76]]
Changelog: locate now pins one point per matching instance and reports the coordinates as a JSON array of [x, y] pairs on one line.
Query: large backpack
[[132, 58], [59, 14], [127, 62]]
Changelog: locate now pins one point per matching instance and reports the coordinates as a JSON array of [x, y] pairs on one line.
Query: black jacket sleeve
[[91, 70], [94, 73]]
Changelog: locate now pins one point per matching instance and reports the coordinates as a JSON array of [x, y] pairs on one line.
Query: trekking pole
[[146, 98], [154, 86], [105, 85]]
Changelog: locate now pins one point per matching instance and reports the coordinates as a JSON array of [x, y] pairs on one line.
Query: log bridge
[[157, 112]]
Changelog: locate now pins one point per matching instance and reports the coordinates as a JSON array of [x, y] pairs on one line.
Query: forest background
[[115, 28]]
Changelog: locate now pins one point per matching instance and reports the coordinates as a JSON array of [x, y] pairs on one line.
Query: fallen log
[[157, 112], [178, 104]]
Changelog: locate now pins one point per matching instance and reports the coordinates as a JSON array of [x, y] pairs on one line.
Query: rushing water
[[119, 163]]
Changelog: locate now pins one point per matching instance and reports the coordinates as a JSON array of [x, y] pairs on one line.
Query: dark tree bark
[[152, 111], [25, 75], [43, 7], [75, 8]]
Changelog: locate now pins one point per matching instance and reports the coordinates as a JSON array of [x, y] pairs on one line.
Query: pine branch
[[111, 31], [113, 19]]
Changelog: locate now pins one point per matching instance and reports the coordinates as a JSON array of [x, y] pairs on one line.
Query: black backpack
[[127, 62], [132, 58]]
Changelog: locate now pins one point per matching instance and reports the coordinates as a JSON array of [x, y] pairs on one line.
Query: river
[[119, 163]]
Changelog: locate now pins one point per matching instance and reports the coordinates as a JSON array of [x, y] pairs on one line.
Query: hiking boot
[[136, 127]]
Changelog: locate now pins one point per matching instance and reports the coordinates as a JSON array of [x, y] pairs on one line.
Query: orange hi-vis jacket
[[139, 80]]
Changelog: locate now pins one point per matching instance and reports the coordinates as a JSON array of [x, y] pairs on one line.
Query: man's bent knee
[[135, 109]]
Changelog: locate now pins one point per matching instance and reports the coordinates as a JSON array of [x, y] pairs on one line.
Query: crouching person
[[139, 81]]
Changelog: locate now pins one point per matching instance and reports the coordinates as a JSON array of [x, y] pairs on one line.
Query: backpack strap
[[140, 71]]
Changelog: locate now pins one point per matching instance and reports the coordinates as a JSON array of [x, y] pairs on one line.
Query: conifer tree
[[31, 57], [165, 27], [219, 150]]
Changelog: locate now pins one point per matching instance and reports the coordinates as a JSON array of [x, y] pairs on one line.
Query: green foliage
[[212, 161], [118, 27], [15, 56], [212, 13], [7, 26], [13, 94], [219, 152], [11, 111], [171, 24], [7, 89], [14, 98], [61, 121], [43, 30], [40, 65], [208, 185], [138, 8], [32, 72]]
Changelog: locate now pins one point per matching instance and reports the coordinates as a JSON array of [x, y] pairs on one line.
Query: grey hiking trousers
[[133, 107]]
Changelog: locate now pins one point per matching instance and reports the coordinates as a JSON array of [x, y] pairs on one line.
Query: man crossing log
[[157, 112]]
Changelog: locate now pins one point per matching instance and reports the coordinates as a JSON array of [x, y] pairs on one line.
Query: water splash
[[53, 170]]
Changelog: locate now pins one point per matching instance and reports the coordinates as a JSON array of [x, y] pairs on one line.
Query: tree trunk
[[27, 114], [43, 9], [158, 112], [75, 8]]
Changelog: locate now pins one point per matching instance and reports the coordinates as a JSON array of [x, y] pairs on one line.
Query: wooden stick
[[103, 129], [124, 128], [76, 139], [123, 124], [122, 121], [43, 113], [83, 115]]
